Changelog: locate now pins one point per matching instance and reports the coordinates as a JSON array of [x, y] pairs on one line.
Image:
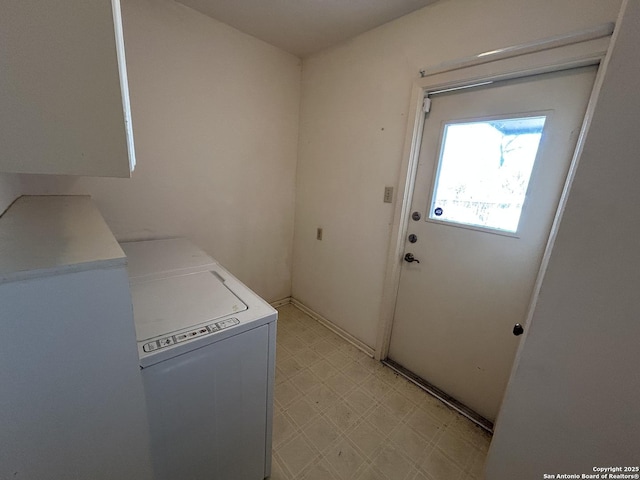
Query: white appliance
[[207, 352]]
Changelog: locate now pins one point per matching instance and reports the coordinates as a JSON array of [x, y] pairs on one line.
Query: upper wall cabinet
[[64, 101]]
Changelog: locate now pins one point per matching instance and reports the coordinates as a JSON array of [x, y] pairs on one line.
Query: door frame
[[578, 49]]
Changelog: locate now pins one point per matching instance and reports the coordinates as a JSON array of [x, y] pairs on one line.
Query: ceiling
[[303, 27]]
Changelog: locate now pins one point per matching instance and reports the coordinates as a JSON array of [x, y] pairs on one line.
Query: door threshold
[[440, 395]]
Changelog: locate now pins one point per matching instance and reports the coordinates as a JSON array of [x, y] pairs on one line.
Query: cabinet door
[[64, 105]]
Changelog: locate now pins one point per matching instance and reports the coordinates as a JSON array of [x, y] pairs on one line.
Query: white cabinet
[[71, 398], [64, 102]]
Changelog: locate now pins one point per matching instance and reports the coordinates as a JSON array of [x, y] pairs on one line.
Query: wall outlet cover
[[388, 194]]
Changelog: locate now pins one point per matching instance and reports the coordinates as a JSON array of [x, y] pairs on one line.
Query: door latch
[[410, 258]]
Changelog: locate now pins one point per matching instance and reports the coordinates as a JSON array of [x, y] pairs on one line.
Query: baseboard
[[281, 303], [334, 328]]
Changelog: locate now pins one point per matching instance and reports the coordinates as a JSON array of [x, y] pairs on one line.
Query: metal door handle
[[410, 258]]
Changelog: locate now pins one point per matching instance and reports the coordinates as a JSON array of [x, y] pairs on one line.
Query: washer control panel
[[184, 336]]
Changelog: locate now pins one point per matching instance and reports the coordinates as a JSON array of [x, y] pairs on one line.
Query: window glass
[[484, 172]]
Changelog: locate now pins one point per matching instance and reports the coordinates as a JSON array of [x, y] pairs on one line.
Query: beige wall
[[355, 100], [215, 118], [572, 402]]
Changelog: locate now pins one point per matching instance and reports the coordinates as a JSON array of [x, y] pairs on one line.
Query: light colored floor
[[340, 415]]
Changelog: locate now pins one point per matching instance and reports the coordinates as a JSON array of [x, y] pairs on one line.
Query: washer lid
[[155, 256], [174, 303]]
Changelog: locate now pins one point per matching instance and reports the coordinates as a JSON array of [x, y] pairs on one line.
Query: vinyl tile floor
[[340, 415]]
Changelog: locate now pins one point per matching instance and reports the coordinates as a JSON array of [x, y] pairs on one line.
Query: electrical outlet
[[388, 194], [319, 234]]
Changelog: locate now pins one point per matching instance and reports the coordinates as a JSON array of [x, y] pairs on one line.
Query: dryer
[[206, 345]]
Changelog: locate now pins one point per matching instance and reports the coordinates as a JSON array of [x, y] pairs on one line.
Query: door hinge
[[426, 105]]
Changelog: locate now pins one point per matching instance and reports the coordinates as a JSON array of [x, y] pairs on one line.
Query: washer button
[[181, 337], [227, 323], [150, 347], [165, 342]]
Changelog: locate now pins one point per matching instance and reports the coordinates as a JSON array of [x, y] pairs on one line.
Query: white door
[[492, 166]]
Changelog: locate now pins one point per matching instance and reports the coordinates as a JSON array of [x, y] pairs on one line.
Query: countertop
[[53, 235]]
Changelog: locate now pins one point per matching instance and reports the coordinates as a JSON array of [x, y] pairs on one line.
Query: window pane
[[484, 171]]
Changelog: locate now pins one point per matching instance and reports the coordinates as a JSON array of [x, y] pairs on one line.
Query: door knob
[[410, 258], [517, 329]]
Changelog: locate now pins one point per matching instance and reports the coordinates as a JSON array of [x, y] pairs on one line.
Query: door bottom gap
[[440, 395]]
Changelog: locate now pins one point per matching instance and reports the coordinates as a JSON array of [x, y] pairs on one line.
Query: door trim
[[592, 33], [543, 60]]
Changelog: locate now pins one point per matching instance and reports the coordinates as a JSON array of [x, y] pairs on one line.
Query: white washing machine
[[207, 352]]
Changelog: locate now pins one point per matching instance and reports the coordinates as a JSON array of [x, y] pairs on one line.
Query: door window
[[484, 171]]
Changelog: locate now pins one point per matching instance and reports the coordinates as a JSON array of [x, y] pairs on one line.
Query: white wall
[[572, 403], [355, 100], [215, 119]]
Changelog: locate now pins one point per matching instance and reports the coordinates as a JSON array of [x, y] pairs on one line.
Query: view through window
[[484, 172]]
